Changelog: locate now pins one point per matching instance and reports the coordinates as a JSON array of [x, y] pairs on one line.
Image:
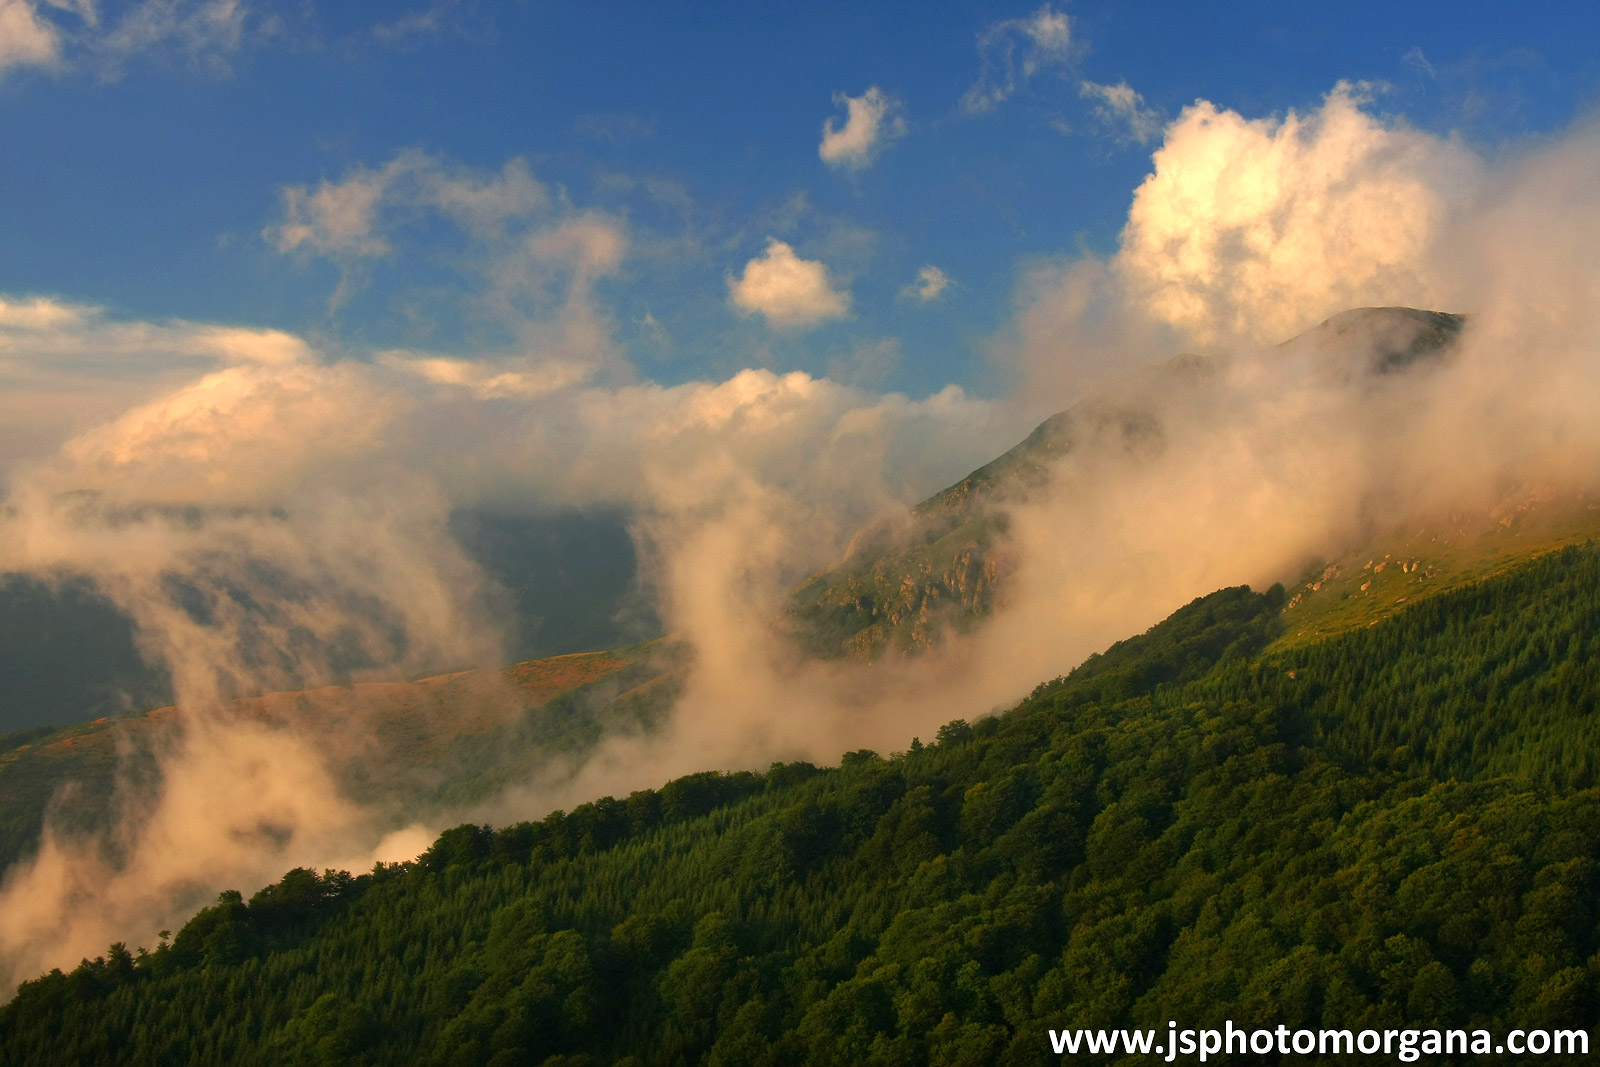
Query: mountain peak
[[901, 583], [1395, 336]]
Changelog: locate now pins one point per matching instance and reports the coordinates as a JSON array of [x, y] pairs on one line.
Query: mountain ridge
[[899, 586]]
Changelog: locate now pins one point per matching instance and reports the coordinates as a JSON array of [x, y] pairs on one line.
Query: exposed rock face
[[902, 600], [898, 588]]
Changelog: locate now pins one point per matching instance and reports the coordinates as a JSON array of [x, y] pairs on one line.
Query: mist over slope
[[902, 582], [563, 582], [274, 513], [374, 779], [1390, 829]]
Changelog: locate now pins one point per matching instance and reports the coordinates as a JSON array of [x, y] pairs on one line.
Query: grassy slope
[[1375, 581]]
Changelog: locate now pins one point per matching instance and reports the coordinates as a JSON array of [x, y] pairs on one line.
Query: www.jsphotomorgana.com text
[[1407, 1046]]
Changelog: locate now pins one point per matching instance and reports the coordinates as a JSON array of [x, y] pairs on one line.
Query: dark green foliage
[[1228, 624], [1397, 827]]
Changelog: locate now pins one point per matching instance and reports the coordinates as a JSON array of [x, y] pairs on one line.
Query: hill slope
[[560, 583], [440, 743], [415, 748], [897, 589], [1395, 826]]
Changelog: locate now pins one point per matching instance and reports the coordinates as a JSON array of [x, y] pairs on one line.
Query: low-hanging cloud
[[278, 519], [1240, 466]]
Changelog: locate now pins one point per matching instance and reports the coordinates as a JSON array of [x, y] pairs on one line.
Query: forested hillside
[[1397, 826]]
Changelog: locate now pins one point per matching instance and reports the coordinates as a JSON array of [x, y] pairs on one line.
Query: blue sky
[[144, 172]]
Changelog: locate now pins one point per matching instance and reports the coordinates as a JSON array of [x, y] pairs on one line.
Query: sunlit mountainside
[[421, 750], [562, 582], [902, 584], [406, 755], [413, 749]]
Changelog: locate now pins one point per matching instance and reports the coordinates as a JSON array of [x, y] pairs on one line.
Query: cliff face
[[899, 588], [901, 600]]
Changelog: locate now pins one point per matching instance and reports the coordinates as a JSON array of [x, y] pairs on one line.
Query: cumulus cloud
[[930, 284], [1121, 109], [1257, 228], [788, 291], [65, 367], [871, 121], [1013, 51]]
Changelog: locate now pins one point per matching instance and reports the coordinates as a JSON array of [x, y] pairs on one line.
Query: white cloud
[[1013, 51], [1119, 107], [533, 263], [488, 378], [25, 38], [482, 202], [420, 22], [930, 284], [205, 32], [337, 219], [344, 219], [1259, 228], [65, 366], [787, 290], [871, 120], [71, 34]]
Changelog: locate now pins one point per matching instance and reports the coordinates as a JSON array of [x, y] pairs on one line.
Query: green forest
[[1397, 826]]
